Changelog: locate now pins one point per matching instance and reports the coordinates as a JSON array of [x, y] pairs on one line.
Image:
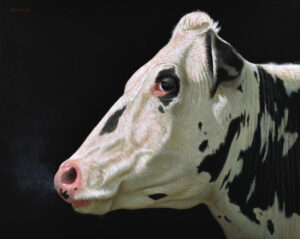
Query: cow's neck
[[267, 180]]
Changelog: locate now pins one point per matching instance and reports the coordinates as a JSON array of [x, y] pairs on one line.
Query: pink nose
[[68, 181]]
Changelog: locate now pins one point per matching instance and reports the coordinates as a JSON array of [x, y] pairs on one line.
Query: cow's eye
[[167, 84]]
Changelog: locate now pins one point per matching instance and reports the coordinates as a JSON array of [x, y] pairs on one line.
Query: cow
[[197, 124]]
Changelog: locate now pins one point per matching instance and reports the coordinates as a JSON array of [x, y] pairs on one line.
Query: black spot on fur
[[277, 175], [219, 216], [112, 122], [200, 126], [270, 226], [168, 73], [243, 118], [225, 178], [213, 163], [255, 74], [240, 88], [227, 219], [64, 194], [161, 109], [203, 145], [157, 196]]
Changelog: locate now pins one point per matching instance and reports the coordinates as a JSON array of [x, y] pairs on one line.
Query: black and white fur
[[226, 136]]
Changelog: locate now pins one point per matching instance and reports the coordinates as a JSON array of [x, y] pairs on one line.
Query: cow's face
[[147, 150]]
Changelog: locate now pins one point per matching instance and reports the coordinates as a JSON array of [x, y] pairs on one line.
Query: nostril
[[69, 176]]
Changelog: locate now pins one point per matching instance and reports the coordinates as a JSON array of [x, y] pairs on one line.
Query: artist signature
[[19, 10]]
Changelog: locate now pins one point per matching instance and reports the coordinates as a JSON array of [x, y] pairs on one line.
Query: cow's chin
[[95, 206]]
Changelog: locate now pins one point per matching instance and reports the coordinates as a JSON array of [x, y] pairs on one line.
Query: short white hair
[[196, 21]]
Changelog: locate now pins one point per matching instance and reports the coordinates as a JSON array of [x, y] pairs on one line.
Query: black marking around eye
[[112, 122], [168, 73], [200, 126], [203, 145], [157, 196], [161, 109], [270, 226]]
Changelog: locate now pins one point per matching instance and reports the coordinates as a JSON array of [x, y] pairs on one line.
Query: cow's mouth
[[81, 203], [92, 206]]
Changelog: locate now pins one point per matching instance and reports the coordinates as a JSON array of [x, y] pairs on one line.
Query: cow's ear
[[225, 63]]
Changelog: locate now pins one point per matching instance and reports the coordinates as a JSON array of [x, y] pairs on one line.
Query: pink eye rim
[[158, 91]]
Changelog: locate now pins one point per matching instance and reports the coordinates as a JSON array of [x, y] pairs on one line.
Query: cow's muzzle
[[68, 181]]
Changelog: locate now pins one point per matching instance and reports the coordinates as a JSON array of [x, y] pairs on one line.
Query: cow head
[[149, 149]]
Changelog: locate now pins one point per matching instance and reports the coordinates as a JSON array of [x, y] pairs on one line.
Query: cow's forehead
[[185, 48], [179, 52]]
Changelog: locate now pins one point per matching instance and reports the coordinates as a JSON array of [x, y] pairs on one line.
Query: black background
[[63, 64]]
